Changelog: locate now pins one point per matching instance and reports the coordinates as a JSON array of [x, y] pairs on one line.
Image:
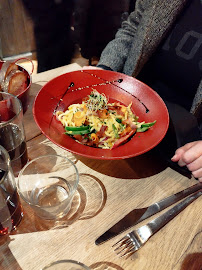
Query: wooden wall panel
[[16, 29]]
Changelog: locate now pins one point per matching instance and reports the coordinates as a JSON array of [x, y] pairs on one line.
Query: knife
[[137, 215]]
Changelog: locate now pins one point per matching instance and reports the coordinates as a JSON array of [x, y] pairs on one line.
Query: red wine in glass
[[13, 140], [10, 206]]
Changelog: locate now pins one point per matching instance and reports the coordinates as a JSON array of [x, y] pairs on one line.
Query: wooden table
[[107, 191]]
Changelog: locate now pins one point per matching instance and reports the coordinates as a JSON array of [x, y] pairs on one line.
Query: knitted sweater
[[139, 38]]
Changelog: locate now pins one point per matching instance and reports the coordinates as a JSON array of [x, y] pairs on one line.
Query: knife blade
[[137, 215]]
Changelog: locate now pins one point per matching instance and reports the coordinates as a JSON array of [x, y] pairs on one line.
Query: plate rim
[[102, 157]]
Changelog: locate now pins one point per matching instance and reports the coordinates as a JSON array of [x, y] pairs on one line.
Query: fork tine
[[125, 247], [121, 241], [121, 244], [127, 251], [127, 254]]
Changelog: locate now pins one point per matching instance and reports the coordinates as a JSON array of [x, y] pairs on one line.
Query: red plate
[[146, 103]]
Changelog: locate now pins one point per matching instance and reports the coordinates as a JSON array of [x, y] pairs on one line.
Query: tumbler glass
[[66, 265], [48, 184], [12, 135], [10, 206]]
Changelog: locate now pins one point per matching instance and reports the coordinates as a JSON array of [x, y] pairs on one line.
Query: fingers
[[198, 174], [180, 151], [190, 155], [178, 154], [195, 165]]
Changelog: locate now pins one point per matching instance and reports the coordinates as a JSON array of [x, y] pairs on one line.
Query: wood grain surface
[[16, 29], [107, 191]]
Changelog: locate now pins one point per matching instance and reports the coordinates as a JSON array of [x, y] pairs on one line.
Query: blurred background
[[53, 33]]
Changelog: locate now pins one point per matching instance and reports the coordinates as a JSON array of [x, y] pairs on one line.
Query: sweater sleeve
[[115, 53]]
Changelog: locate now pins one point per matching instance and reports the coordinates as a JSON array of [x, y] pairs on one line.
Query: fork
[[134, 240]]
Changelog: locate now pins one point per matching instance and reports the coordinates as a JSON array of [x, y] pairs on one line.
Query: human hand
[[190, 155], [91, 67]]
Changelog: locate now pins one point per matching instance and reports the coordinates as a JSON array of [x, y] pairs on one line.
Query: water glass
[[10, 206], [66, 265], [12, 135], [48, 184]]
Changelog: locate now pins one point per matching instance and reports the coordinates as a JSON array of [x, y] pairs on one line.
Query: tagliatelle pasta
[[98, 123]]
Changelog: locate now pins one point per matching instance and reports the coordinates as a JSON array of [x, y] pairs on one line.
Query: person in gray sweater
[[161, 44]]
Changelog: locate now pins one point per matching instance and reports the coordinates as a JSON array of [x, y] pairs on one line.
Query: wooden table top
[[107, 191]]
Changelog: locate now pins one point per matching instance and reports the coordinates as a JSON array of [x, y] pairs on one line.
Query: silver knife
[[137, 215]]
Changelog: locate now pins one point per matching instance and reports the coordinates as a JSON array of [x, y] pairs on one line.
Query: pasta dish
[[97, 123]]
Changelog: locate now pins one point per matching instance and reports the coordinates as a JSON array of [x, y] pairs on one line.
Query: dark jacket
[[140, 36]]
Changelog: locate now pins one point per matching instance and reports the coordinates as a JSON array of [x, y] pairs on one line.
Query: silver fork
[[134, 240]]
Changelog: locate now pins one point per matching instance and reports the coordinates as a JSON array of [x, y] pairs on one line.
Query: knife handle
[[156, 224]]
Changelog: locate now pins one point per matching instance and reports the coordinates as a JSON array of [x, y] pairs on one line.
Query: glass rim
[[7, 161], [5, 152], [66, 261], [17, 114], [33, 160]]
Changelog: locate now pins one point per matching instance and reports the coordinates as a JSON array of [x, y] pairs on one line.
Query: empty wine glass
[[48, 184]]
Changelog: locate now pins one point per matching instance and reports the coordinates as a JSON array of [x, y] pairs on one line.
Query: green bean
[[68, 128], [145, 126], [78, 132], [115, 131]]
